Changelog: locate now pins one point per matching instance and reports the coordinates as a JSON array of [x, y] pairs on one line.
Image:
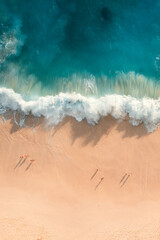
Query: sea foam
[[55, 108]]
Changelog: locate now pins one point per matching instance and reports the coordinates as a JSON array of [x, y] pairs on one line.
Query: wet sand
[[79, 181]]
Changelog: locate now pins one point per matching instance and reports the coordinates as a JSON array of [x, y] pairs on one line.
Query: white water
[[55, 108]]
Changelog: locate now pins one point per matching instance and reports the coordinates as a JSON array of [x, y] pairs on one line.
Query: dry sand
[[72, 190]]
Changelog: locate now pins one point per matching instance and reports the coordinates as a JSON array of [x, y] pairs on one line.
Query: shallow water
[[93, 47]]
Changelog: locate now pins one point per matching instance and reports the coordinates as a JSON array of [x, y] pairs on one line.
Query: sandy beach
[[78, 181]]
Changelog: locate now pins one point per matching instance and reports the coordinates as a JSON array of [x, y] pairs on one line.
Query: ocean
[[82, 58]]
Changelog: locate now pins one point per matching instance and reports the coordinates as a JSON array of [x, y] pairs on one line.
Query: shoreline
[[55, 109]]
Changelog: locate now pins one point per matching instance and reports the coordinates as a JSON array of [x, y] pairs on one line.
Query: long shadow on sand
[[90, 134]]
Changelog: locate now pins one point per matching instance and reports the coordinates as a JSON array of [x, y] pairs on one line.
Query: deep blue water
[[94, 47]]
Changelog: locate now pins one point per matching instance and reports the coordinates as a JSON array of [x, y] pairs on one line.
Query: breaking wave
[[81, 58], [55, 108]]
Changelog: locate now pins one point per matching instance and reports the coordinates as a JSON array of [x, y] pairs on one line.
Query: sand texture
[[79, 182]]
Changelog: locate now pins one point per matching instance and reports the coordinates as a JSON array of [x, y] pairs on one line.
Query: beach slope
[[78, 181]]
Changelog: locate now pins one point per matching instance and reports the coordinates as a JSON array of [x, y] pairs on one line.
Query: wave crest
[[55, 108]]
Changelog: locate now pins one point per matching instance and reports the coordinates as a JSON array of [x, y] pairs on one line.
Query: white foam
[[56, 108]]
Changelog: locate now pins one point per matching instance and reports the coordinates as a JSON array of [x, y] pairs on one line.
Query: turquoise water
[[93, 47], [81, 58]]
